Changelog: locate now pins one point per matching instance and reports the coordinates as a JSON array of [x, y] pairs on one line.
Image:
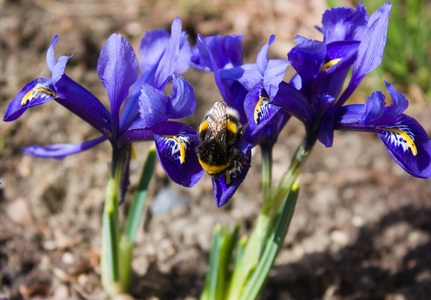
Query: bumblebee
[[219, 131]]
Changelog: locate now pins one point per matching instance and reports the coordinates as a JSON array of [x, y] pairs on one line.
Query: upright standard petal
[[344, 23], [182, 100], [370, 50], [118, 69], [151, 50], [306, 58], [59, 151], [176, 145], [262, 56], [152, 106], [167, 64], [50, 57], [56, 67], [227, 52]]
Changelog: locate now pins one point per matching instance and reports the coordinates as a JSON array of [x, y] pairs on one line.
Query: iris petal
[[226, 185], [262, 56], [182, 100], [274, 74], [117, 68], [34, 93], [370, 50], [153, 46], [85, 105], [167, 64], [152, 105], [399, 101], [176, 145], [343, 23], [408, 144], [59, 151], [50, 57]]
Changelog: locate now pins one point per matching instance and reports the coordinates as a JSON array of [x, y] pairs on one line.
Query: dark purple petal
[[343, 23], [262, 56], [59, 151], [226, 185], [207, 59], [82, 103], [152, 105], [182, 100], [408, 144], [260, 112], [339, 58], [34, 93], [323, 105], [233, 48], [118, 69], [134, 133], [227, 52], [306, 58], [370, 51], [293, 102], [176, 145], [350, 117]]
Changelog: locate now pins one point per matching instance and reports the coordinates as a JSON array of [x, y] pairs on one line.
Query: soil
[[362, 226]]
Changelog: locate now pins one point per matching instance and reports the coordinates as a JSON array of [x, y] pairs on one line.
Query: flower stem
[[266, 178], [259, 254], [110, 235], [134, 220], [298, 161], [255, 245], [110, 259]]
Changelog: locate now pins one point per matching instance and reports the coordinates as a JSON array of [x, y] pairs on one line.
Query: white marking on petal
[[42, 89], [178, 145], [400, 135]]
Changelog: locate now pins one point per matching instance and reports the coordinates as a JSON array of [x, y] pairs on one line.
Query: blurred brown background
[[362, 226]]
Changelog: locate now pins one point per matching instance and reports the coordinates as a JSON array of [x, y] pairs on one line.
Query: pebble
[[165, 200]]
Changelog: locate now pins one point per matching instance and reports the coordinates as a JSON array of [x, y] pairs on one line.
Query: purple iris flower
[[354, 41], [139, 110], [405, 139], [247, 88]]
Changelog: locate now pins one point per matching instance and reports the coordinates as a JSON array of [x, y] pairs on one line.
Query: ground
[[362, 226]]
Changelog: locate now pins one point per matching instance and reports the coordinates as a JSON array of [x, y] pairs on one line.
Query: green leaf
[[259, 276]]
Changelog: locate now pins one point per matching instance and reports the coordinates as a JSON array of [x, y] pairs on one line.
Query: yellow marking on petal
[[258, 105], [133, 152], [35, 92], [180, 146], [203, 126], [213, 169], [227, 178], [408, 140], [24, 99], [232, 127], [329, 64]]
